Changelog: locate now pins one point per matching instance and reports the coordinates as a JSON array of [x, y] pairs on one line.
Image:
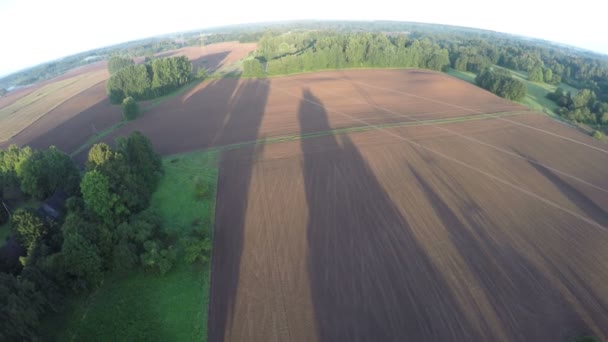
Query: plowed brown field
[[470, 231], [74, 118]]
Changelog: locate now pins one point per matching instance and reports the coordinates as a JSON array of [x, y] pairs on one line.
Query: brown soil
[[75, 121], [409, 233]]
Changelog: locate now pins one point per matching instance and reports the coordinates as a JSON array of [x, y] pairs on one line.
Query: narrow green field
[[144, 306], [536, 99], [463, 75]]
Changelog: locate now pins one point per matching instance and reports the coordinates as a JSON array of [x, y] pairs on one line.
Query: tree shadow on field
[[528, 305], [370, 279], [211, 62], [577, 197], [236, 169]]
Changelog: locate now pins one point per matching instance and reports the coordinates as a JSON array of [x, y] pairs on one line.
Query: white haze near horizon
[[36, 31]]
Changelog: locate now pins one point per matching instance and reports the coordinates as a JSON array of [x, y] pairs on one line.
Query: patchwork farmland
[[381, 205]]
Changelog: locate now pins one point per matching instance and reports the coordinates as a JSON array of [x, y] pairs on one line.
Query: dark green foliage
[[115, 63], [253, 68], [145, 81], [586, 338], [44, 172], [130, 109], [502, 84], [142, 158], [81, 261], [21, 305]]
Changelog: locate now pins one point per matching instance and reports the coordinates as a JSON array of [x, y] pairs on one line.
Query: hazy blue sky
[[35, 31]]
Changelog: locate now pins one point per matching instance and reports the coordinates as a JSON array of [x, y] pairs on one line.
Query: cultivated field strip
[[26, 110], [486, 231], [511, 152]]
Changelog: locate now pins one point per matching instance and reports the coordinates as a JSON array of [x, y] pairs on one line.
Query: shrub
[[598, 135], [130, 109], [201, 73], [201, 190]]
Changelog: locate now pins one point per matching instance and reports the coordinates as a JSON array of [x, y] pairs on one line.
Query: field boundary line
[[475, 111], [483, 143], [459, 162]]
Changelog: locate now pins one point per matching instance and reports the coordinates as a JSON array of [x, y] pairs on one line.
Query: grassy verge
[[463, 75], [144, 306], [340, 131], [98, 136]]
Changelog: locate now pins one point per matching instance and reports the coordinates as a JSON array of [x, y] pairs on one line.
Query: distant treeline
[[309, 51], [155, 78]]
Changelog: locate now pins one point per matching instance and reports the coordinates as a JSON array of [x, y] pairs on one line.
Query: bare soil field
[[214, 55], [29, 108], [197, 119], [74, 117], [469, 231], [21, 92]]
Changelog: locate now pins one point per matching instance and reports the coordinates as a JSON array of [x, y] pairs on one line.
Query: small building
[[53, 208]]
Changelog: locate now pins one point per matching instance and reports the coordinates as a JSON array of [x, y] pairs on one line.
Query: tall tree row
[[298, 52], [145, 81]]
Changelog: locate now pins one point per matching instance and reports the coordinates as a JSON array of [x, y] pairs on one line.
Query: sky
[[35, 31]]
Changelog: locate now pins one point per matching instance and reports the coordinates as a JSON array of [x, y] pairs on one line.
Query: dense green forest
[[155, 78], [106, 226]]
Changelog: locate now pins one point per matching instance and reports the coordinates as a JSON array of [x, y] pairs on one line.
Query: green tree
[[130, 109], [157, 258], [81, 260], [11, 162], [536, 74], [116, 63], [28, 228], [142, 158], [99, 199], [99, 155], [253, 68], [583, 99], [44, 172], [548, 75], [197, 249]]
